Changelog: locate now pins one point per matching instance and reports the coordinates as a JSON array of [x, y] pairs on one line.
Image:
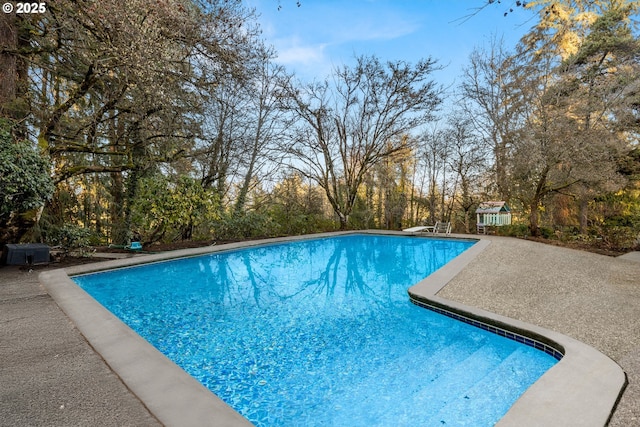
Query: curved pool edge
[[582, 389], [171, 395]]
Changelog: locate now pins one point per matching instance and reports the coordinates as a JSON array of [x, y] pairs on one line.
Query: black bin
[[25, 254]]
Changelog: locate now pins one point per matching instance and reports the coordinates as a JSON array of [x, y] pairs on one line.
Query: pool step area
[[553, 349], [457, 382], [486, 376], [486, 381]]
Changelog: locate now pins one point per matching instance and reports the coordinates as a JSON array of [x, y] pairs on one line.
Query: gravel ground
[[50, 375]]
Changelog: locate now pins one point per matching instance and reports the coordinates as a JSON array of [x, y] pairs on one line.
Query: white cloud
[[293, 51], [370, 28]]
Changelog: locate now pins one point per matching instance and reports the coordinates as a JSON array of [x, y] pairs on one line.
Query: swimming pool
[[321, 332]]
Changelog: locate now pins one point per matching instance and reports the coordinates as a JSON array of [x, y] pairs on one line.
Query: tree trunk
[[584, 213], [118, 232], [8, 62], [541, 190], [343, 220], [244, 190], [13, 70], [502, 180], [137, 153], [534, 217]]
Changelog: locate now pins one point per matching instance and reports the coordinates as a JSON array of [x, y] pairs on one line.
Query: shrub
[[514, 230], [620, 238], [70, 237], [248, 225], [25, 183], [548, 233], [167, 210]]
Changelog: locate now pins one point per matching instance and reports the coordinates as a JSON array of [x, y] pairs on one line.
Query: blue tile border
[[523, 339]]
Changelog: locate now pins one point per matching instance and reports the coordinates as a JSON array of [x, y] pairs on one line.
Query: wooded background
[[168, 120]]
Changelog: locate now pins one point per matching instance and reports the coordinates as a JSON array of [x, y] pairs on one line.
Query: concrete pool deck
[[52, 376]]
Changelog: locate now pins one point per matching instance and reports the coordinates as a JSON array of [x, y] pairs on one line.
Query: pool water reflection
[[322, 332]]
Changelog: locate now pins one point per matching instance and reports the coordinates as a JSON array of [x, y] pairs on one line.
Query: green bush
[[166, 210], [297, 221], [621, 238], [548, 233], [513, 230], [307, 224], [248, 225], [25, 184], [70, 237]]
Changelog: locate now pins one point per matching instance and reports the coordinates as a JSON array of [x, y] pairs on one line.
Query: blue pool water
[[322, 333]]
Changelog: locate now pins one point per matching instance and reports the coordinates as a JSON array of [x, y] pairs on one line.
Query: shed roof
[[493, 207]]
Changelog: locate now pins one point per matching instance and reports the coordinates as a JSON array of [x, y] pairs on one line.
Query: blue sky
[[321, 34]]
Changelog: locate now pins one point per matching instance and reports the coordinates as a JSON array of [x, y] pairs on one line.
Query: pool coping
[[582, 389]]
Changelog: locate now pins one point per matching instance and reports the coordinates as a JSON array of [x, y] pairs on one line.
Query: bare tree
[[346, 125], [467, 162], [490, 96], [391, 177], [241, 124], [225, 130], [434, 151], [267, 125]]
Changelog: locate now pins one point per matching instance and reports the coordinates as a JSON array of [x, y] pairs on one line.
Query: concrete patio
[[52, 376]]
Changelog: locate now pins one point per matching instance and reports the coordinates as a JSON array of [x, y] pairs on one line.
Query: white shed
[[492, 214]]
